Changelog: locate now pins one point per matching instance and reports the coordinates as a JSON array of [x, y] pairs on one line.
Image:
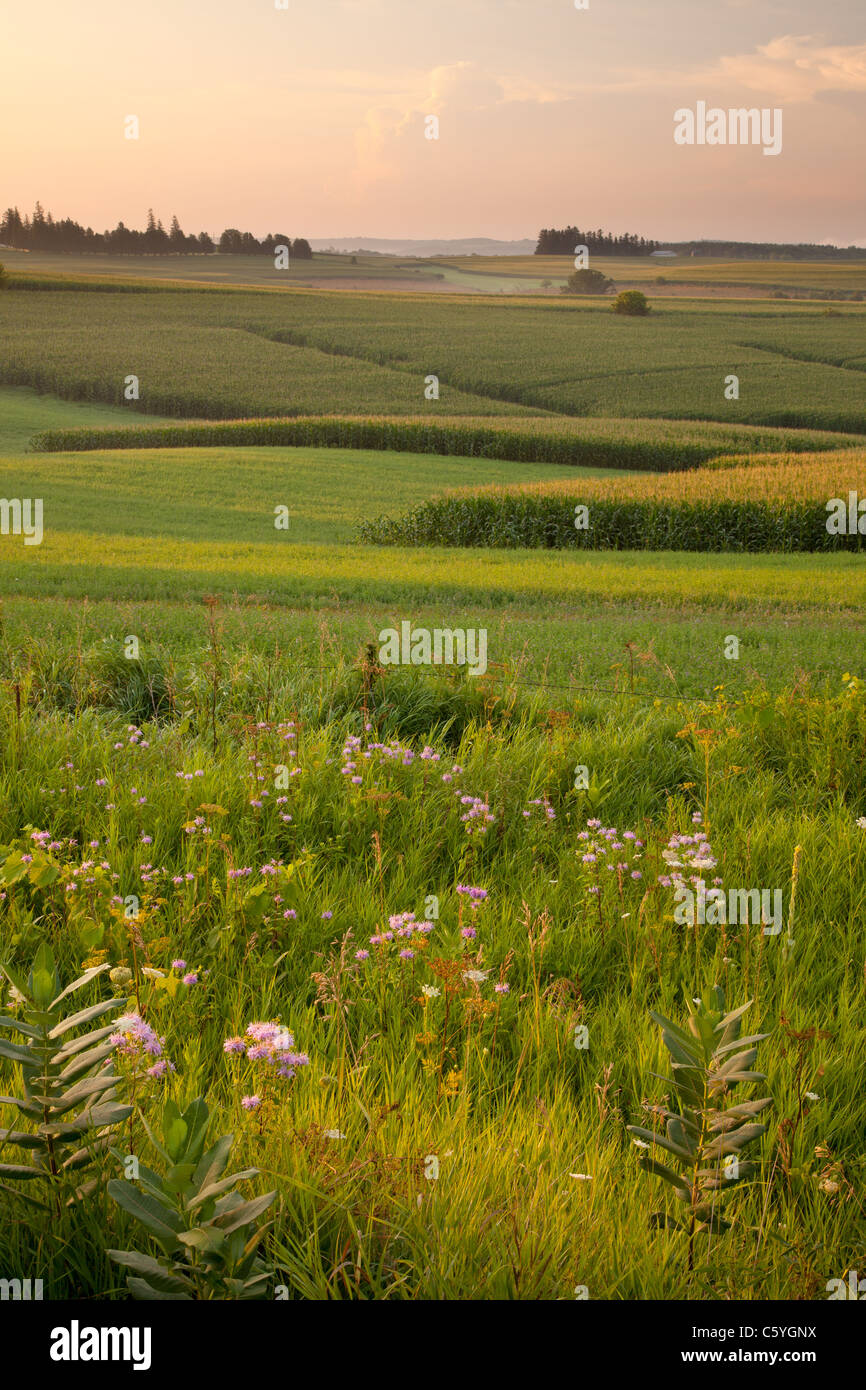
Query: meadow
[[405, 934]]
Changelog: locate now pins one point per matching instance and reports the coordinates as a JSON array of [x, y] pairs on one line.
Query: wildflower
[[362, 955], [431, 991], [134, 1038], [468, 932], [477, 977], [191, 979], [251, 1102], [502, 987], [407, 955], [234, 1045]]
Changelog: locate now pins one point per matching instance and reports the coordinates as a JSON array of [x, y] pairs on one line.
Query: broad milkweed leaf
[[80, 983]]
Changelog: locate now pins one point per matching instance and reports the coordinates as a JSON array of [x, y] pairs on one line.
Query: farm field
[[406, 931], [763, 503], [698, 271], [223, 270], [24, 413], [222, 354], [465, 274]]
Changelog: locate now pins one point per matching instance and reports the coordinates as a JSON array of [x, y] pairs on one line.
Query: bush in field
[[4, 278], [631, 302], [587, 282]]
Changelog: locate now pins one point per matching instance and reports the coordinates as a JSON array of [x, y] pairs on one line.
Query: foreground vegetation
[[449, 1129]]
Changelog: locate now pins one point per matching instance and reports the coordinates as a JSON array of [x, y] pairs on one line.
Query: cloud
[[796, 68], [789, 69]]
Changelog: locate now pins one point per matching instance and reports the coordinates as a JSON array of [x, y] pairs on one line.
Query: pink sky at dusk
[[310, 120]]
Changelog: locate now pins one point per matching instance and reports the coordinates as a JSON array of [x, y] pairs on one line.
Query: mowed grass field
[[196, 720]]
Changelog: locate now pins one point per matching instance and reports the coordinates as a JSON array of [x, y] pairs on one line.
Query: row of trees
[[768, 250], [42, 233], [553, 242]]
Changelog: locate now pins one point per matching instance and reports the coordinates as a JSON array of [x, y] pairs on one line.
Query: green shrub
[[631, 302], [587, 282]]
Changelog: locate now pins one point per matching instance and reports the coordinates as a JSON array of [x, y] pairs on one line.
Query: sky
[[310, 119]]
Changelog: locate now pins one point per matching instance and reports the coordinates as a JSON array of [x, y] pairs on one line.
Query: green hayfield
[[159, 493], [23, 414], [220, 354], [135, 532]]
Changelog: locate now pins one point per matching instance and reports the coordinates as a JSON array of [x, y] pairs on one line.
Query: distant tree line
[[562, 243], [767, 250], [41, 233], [553, 242]]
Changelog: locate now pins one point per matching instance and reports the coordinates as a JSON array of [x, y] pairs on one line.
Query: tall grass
[[535, 1190]]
